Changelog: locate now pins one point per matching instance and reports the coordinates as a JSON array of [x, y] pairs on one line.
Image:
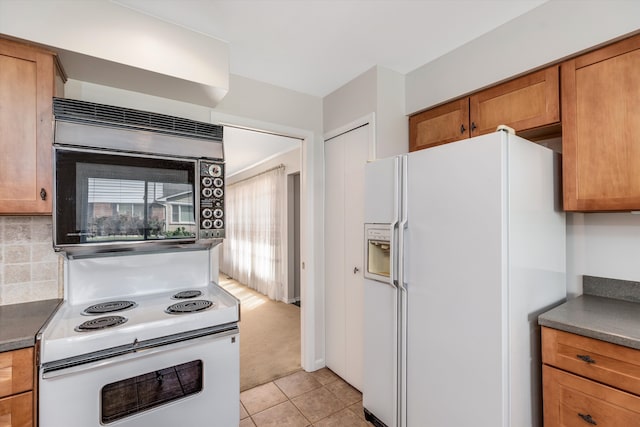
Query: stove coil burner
[[187, 294], [100, 323], [109, 307], [189, 306]]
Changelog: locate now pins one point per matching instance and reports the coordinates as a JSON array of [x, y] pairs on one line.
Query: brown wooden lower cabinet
[[588, 382], [573, 401], [16, 388], [17, 410]]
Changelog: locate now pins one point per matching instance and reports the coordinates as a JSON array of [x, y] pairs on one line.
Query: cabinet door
[[528, 102], [26, 89], [600, 122], [440, 125], [16, 411], [571, 401]]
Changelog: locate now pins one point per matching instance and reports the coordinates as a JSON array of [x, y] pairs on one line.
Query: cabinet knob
[[43, 194], [355, 270], [473, 126], [585, 358], [462, 129], [587, 418]]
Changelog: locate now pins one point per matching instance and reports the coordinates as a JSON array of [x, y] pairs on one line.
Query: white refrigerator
[[464, 248]]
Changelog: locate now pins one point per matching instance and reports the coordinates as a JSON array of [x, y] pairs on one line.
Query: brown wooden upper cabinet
[[527, 103], [601, 129], [26, 89]]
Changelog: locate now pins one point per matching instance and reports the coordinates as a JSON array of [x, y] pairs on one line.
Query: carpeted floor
[[269, 336]]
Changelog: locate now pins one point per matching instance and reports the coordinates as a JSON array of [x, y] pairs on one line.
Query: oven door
[[194, 382], [108, 198]]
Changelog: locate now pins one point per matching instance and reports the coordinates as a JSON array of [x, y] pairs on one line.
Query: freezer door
[[380, 382], [382, 191], [382, 208]]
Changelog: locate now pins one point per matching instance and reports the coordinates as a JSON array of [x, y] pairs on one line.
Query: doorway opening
[[260, 257], [293, 225]]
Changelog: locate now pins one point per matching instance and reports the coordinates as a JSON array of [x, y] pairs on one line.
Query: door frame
[[311, 294]]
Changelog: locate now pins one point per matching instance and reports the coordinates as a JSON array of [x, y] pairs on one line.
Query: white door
[[345, 158]]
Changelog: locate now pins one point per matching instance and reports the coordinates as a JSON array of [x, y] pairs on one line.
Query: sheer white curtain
[[252, 251]]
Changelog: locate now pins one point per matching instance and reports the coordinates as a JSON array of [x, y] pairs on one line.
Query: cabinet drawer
[[608, 363], [16, 411], [572, 401], [16, 372]]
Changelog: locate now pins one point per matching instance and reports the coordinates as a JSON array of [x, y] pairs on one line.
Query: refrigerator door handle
[[402, 227], [402, 299], [395, 279], [395, 241]]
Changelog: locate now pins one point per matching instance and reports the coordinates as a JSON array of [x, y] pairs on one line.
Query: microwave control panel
[[212, 214]]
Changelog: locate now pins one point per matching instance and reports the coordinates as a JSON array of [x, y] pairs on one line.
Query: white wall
[[131, 45], [603, 244], [290, 160], [379, 91], [392, 126], [554, 30]]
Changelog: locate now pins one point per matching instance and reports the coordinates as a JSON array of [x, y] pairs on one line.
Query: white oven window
[[142, 392]]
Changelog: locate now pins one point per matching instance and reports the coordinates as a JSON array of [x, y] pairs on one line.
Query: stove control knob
[[207, 213], [215, 170], [206, 181], [217, 213], [206, 223], [217, 192], [207, 192], [218, 182], [218, 223]]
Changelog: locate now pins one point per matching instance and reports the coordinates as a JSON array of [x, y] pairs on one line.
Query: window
[[182, 214]]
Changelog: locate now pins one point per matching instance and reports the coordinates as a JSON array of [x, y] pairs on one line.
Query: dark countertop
[[19, 323], [608, 311]]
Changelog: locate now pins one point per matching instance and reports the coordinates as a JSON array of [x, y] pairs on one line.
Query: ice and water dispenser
[[378, 252]]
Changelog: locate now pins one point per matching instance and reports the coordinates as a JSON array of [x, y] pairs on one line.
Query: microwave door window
[[133, 203]]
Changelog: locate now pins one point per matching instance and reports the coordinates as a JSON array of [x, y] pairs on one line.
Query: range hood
[[105, 43]]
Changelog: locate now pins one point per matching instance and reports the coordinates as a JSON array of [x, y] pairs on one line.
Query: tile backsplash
[[30, 270]]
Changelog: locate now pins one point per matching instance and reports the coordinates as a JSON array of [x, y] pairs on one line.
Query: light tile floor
[[319, 399]]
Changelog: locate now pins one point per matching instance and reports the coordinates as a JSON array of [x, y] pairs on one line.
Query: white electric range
[[141, 340]]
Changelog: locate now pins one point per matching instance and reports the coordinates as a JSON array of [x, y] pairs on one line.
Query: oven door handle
[[136, 351]]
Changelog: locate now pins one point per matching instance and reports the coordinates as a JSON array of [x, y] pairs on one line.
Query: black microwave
[[124, 185]]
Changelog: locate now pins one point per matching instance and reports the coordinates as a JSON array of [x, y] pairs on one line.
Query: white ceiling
[[316, 46], [244, 149]]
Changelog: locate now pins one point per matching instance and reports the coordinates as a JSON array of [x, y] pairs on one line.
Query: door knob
[[355, 270]]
